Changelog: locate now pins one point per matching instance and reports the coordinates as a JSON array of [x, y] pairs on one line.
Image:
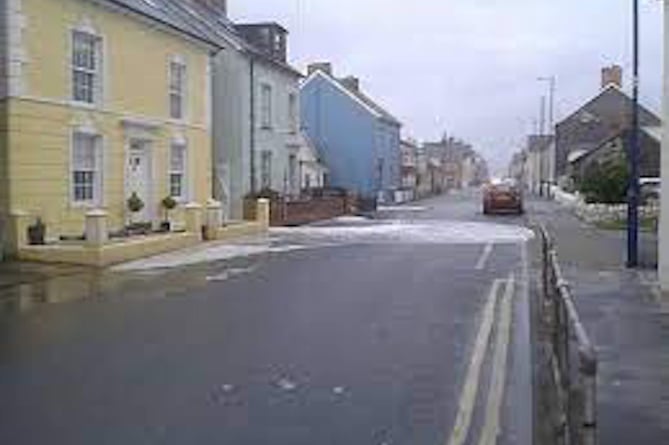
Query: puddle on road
[[109, 285], [173, 274]]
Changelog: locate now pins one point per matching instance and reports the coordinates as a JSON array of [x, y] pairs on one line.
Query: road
[[412, 328]]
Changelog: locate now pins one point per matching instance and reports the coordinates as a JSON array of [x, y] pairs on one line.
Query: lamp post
[[552, 81], [633, 189]]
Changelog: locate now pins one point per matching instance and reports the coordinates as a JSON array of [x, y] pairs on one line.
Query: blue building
[[357, 139]]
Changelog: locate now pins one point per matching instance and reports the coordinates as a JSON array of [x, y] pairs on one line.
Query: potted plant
[[168, 203], [36, 232], [135, 204]]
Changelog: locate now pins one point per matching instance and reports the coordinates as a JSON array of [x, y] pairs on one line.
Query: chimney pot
[[325, 67]]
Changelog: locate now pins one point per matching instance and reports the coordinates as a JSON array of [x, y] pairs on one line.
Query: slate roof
[[371, 104], [222, 30], [167, 13], [358, 96], [198, 21]]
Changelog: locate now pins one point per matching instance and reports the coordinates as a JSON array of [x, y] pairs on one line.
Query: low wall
[[239, 230], [601, 213], [292, 213], [594, 213], [108, 254], [303, 212]]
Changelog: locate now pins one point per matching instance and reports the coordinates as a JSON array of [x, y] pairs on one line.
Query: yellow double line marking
[[495, 395]]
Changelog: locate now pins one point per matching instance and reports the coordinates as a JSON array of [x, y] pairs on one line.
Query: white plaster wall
[[279, 137], [663, 250], [231, 129]]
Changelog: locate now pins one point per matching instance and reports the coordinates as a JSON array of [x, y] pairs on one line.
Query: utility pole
[[542, 116], [551, 101], [551, 123], [633, 189]]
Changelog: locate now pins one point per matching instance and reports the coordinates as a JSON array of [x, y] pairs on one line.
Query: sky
[[469, 68]]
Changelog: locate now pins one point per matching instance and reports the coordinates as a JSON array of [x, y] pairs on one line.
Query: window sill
[[85, 205], [85, 105], [180, 200]]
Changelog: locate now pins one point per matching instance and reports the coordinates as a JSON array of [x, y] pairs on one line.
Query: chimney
[[325, 67], [351, 83], [612, 75]]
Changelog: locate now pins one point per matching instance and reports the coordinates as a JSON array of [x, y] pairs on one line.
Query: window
[[177, 80], [278, 43], [266, 106], [292, 112], [292, 172], [177, 171], [266, 169], [86, 61], [85, 168]]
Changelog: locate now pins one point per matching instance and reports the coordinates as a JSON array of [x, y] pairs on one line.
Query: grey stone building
[[606, 115]]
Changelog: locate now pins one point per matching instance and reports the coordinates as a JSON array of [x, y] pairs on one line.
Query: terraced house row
[[140, 109]]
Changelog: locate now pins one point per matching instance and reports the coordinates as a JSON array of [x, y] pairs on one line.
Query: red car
[[502, 197]]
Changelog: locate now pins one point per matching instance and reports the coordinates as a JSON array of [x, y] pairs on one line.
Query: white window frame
[[179, 90], [266, 169], [266, 106], [97, 198], [183, 147], [96, 73]]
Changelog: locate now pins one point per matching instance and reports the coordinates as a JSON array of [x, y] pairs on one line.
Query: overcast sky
[[469, 67]]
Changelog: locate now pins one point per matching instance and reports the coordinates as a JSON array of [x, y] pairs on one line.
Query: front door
[[138, 178]]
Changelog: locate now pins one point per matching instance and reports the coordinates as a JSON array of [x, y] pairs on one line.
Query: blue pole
[[633, 189]]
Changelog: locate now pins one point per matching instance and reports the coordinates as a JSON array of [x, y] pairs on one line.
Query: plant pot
[[36, 235]]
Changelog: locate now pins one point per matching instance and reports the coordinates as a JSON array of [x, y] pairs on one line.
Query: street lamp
[[633, 189], [551, 80]]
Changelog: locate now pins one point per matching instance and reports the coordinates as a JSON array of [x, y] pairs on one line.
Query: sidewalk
[[14, 273], [627, 319]]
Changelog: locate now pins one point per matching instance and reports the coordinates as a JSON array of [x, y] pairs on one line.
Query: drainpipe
[[664, 162], [252, 116]]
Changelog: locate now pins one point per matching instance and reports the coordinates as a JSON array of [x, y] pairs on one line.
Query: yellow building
[[100, 100]]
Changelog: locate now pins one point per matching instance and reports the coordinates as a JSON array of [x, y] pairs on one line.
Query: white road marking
[[470, 387], [483, 259], [498, 382]]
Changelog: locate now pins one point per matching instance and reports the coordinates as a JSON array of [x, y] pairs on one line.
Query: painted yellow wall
[[136, 60], [4, 176], [136, 57]]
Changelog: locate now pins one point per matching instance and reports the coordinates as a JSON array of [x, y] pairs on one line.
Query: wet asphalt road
[[344, 342]]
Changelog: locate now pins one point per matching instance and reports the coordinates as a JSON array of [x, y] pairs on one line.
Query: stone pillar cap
[[193, 205]]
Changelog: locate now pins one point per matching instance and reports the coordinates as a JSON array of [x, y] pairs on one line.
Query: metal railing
[[572, 356]]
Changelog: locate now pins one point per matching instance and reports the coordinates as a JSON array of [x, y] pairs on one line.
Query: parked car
[[502, 197], [650, 189]]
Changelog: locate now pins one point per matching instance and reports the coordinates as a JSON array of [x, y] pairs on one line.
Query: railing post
[[588, 373]]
